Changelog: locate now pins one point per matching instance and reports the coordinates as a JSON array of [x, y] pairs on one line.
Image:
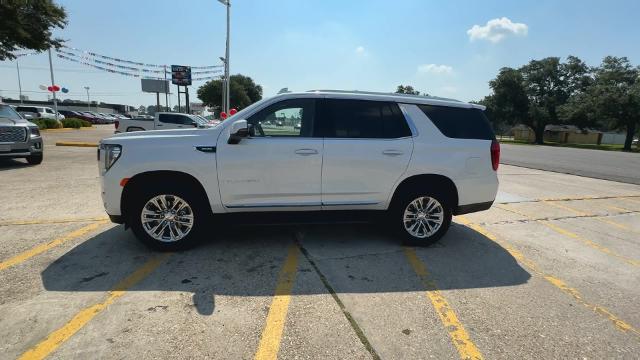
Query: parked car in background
[[415, 160], [78, 115], [110, 117], [39, 112], [92, 118], [162, 120], [103, 119], [19, 138]]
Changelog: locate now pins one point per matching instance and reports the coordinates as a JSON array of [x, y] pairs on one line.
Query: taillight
[[495, 154], [117, 123]]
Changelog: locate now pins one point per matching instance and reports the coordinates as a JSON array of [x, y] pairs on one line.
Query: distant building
[[571, 134]]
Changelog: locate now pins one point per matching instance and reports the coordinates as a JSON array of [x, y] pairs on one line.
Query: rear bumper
[[470, 208]]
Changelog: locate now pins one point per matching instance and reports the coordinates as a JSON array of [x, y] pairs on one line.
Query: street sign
[[181, 75]]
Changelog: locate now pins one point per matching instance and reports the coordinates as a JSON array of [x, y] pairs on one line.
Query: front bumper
[[32, 146]]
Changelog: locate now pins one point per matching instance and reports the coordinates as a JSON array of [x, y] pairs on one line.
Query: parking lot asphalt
[[550, 271], [606, 165]]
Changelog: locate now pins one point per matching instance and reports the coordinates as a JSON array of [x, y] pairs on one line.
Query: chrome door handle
[[306, 152], [393, 152]]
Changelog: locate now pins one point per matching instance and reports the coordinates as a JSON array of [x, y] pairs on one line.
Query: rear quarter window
[[459, 123]]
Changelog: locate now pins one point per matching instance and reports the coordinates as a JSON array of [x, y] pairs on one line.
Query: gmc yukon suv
[[416, 160]]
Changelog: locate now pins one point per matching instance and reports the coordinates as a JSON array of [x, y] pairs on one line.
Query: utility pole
[[226, 82], [166, 95], [88, 102], [19, 82], [53, 83]]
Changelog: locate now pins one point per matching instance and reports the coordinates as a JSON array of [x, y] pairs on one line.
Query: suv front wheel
[[422, 218], [167, 219]]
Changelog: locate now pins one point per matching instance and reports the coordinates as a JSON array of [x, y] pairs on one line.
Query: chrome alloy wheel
[[167, 218], [423, 217]]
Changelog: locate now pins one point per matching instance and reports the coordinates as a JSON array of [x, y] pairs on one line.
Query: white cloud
[[360, 50], [497, 29], [435, 69]]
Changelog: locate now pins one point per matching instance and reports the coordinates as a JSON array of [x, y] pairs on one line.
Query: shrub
[[47, 123], [75, 123]]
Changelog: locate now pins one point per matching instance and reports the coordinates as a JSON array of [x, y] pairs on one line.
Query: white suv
[[418, 160]]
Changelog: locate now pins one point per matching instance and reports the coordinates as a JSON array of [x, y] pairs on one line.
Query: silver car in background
[[19, 138]]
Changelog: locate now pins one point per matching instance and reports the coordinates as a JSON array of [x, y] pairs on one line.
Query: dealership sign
[[181, 75]]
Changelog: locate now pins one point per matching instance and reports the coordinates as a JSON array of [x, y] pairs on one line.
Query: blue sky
[[369, 45]]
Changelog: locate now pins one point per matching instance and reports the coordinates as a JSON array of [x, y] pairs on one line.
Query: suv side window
[[49, 111], [363, 119], [459, 123], [293, 117], [175, 119]]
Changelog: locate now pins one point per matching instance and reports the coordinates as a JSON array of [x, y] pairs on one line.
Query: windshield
[[7, 111]]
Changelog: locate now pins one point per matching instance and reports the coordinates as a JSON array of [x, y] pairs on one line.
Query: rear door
[[367, 147]]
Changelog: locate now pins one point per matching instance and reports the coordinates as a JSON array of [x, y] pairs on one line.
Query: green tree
[[509, 104], [408, 89], [243, 92], [28, 25], [616, 95], [545, 85]]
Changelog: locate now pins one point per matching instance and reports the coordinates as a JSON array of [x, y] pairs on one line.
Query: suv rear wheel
[[421, 218], [167, 218]]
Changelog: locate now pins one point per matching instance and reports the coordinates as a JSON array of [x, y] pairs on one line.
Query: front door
[[278, 166], [367, 148]]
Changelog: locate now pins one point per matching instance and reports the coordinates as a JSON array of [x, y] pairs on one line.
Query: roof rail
[[383, 94]]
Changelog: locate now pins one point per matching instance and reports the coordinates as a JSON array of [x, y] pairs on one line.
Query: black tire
[[199, 212], [397, 213], [35, 159]]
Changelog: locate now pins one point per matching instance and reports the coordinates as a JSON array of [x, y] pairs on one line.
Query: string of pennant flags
[[89, 59], [93, 54]]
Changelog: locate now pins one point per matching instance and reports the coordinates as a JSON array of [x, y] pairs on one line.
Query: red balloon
[[56, 88], [233, 111], [50, 88], [223, 115]]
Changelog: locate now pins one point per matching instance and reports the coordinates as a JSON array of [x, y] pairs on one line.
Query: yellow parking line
[[44, 247], [76, 144], [272, 333], [575, 236], [51, 221], [580, 213], [618, 209], [590, 243], [59, 336], [555, 281], [459, 336]]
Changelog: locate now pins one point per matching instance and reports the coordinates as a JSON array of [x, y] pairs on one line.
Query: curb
[[76, 144], [68, 129]]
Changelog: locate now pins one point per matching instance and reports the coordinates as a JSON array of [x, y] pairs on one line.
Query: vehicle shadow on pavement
[[10, 164], [246, 261]]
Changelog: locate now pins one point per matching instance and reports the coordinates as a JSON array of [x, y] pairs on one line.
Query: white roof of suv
[[401, 98]]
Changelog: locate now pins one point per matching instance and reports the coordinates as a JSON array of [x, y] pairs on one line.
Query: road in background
[[599, 164]]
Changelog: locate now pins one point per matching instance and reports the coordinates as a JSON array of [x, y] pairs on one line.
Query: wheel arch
[[160, 177], [427, 181]]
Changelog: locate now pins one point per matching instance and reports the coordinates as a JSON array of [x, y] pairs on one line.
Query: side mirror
[[239, 130]]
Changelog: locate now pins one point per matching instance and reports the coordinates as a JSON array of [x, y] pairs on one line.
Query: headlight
[[34, 131], [112, 153]]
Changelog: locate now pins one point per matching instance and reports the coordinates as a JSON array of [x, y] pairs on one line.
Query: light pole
[[88, 102], [19, 82], [227, 3], [53, 83], [223, 107]]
